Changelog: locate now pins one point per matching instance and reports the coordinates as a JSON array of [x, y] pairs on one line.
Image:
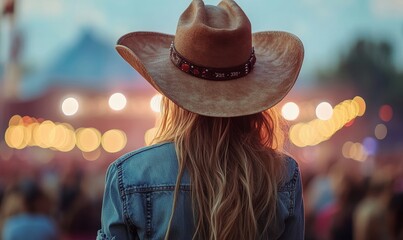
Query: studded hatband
[[209, 73]]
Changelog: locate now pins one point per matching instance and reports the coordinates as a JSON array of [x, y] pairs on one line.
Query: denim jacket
[[139, 193]]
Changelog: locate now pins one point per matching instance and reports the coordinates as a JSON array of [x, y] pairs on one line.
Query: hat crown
[[214, 36]]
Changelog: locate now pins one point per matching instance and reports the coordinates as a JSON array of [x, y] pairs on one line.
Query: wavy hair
[[234, 166]]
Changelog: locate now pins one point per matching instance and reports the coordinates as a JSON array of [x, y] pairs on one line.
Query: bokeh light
[[350, 123], [92, 156], [319, 130], [117, 101], [60, 136], [361, 105], [88, 139], [14, 120], [69, 140], [45, 134], [381, 131], [155, 103], [150, 135], [386, 113], [370, 145], [29, 131], [345, 150], [14, 137], [114, 140], [324, 111], [290, 111], [70, 106], [355, 151]]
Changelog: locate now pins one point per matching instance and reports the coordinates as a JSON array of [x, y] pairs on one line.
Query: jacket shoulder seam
[[123, 198], [289, 185], [129, 155]]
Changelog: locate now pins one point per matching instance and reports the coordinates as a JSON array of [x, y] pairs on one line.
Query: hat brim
[[279, 58]]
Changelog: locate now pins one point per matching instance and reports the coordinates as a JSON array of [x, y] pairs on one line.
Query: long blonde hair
[[234, 167]]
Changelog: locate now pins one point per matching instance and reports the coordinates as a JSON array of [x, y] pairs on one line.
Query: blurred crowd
[[50, 201], [344, 199]]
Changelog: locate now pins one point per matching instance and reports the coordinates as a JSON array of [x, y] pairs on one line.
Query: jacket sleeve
[[295, 223], [113, 226]]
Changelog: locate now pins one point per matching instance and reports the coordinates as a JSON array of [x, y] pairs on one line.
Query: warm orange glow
[[70, 141], [149, 135], [88, 139], [14, 120], [14, 137], [322, 129], [362, 105], [29, 131], [36, 136], [46, 134], [349, 124], [26, 120], [114, 140], [353, 109], [60, 136]]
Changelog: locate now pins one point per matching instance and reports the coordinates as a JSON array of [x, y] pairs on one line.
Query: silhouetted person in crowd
[[26, 213], [396, 216], [371, 220]]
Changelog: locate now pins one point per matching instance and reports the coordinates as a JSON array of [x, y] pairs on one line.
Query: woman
[[215, 171]]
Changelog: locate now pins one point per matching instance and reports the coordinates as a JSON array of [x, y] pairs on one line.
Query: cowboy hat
[[214, 65]]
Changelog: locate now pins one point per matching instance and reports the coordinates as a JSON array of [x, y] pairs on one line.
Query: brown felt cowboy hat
[[214, 65]]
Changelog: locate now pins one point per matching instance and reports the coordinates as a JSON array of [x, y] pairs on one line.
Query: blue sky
[[326, 27]]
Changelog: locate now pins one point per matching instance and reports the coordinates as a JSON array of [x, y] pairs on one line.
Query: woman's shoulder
[[292, 174], [152, 165], [152, 153]]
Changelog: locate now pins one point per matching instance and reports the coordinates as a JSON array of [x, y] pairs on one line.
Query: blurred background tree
[[369, 68]]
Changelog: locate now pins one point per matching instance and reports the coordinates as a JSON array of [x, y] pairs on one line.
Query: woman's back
[[141, 187]]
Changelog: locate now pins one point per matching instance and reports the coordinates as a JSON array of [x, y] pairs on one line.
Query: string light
[[290, 111], [117, 101], [70, 106], [329, 121], [26, 131], [114, 140], [324, 111], [155, 103]]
